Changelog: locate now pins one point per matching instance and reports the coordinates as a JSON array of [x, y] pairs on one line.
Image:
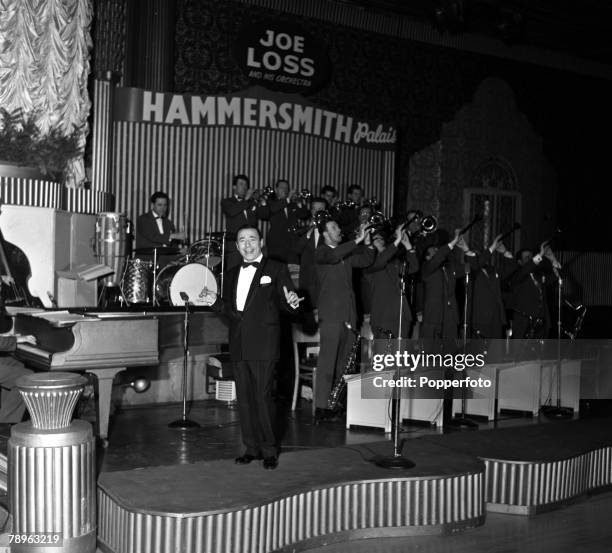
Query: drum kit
[[148, 278]]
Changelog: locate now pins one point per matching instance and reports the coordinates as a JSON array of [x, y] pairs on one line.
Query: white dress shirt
[[245, 278], [159, 221]]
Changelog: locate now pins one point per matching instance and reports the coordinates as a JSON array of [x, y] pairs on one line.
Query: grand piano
[[106, 343]]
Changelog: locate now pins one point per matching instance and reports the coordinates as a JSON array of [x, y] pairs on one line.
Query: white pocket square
[[265, 280]]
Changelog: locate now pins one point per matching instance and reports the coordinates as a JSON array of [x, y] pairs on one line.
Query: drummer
[[155, 230]]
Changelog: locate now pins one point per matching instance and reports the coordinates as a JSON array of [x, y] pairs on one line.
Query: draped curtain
[[44, 65]]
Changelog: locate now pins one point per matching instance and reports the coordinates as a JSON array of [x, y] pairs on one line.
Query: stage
[[167, 490]]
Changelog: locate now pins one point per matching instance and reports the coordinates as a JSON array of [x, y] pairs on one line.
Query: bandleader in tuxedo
[[255, 293]]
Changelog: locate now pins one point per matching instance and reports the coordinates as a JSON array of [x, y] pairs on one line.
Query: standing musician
[[386, 285], [284, 213], [439, 272], [336, 304], [240, 209], [306, 245], [488, 314], [254, 294], [528, 303], [154, 229], [330, 195]]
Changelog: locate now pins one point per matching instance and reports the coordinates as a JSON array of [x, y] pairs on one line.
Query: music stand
[[184, 422], [396, 461]]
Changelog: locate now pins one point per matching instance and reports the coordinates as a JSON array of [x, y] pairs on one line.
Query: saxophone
[[349, 368]]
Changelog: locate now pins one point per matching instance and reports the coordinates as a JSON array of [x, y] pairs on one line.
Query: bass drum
[[194, 279]]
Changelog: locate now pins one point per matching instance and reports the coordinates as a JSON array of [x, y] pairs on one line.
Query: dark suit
[[237, 214], [282, 217], [306, 247], [488, 315], [440, 311], [147, 231], [530, 316], [254, 343], [384, 276], [336, 305]]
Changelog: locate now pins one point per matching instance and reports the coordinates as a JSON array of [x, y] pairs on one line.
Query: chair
[[301, 367]]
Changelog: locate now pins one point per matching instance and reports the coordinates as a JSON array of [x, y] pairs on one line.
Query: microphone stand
[[184, 422], [396, 461], [463, 420], [558, 412]]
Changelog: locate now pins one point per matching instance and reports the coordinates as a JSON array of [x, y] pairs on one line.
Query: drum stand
[[396, 461], [184, 422], [154, 285]]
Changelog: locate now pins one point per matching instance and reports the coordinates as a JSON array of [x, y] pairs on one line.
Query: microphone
[[184, 297]]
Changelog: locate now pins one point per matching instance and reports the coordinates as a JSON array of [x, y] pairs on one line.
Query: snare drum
[[136, 282], [207, 252], [193, 279]]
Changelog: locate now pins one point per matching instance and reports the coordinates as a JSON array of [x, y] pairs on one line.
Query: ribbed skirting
[[526, 487], [435, 505]]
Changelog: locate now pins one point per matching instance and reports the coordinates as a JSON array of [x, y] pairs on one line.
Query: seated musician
[[386, 290], [12, 406], [154, 229], [528, 303], [284, 213]]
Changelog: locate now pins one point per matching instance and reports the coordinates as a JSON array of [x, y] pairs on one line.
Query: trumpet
[[378, 221], [372, 203], [427, 223], [340, 206], [319, 218], [267, 193], [304, 195]]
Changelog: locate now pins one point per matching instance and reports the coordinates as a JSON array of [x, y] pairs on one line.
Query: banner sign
[[282, 113], [282, 56]]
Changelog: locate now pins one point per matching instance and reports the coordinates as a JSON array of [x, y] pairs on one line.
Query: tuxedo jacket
[[305, 248], [254, 333], [488, 314], [439, 275], [334, 268], [147, 231], [528, 289], [282, 216], [241, 212], [384, 276]]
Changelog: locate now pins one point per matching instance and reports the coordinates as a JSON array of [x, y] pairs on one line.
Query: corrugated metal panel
[[32, 192], [587, 275], [101, 133], [195, 165], [446, 502], [533, 485]]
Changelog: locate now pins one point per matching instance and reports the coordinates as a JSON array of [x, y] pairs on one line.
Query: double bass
[[14, 275]]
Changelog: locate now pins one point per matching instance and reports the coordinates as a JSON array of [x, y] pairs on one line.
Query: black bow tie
[[250, 264]]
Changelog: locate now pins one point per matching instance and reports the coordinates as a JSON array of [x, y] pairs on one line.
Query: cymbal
[[161, 250]]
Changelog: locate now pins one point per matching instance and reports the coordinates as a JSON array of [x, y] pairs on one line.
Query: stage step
[[315, 496]]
